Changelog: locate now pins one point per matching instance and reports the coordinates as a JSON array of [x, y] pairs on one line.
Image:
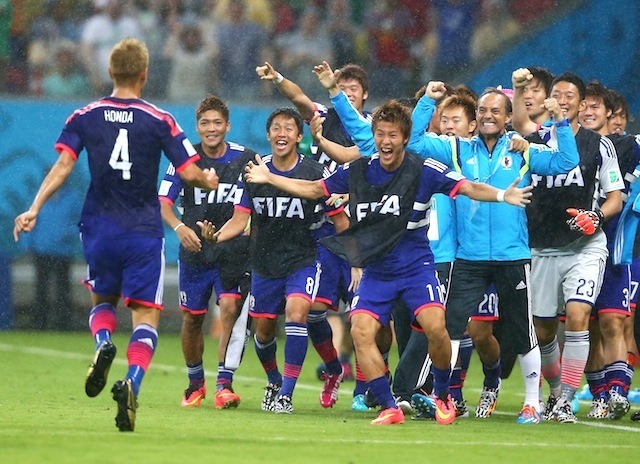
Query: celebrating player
[[120, 226]]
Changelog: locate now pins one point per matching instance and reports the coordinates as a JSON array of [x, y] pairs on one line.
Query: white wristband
[[175, 229], [279, 78], [500, 196]]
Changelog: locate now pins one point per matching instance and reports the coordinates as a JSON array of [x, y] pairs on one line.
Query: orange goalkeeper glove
[[585, 221]]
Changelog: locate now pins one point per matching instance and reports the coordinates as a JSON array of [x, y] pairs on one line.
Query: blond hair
[[129, 58]]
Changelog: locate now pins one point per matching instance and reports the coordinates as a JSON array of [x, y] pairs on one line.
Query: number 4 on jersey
[[119, 160]]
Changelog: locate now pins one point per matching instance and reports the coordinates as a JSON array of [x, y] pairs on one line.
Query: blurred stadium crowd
[[59, 48]]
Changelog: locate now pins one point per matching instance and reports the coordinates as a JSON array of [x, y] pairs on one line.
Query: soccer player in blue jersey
[[283, 255], [389, 195], [336, 272], [120, 225], [203, 267], [457, 118], [617, 126]]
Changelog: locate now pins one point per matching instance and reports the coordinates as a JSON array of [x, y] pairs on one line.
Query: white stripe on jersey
[[171, 170], [631, 178], [597, 191], [238, 197], [165, 185], [437, 165], [316, 285], [160, 289], [236, 146], [533, 340], [412, 225], [610, 177], [191, 151], [607, 148], [417, 206], [454, 175]]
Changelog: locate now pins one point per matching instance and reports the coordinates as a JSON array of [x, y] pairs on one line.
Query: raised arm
[[258, 173], [327, 78], [429, 145], [520, 119], [335, 151], [357, 126], [58, 174], [565, 157], [289, 89]]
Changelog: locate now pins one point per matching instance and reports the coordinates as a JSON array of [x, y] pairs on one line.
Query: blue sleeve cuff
[[563, 123]]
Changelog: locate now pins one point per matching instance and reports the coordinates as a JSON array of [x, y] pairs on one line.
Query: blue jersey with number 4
[[124, 140]]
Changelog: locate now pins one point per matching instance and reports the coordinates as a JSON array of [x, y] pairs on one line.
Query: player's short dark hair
[[619, 102], [354, 72], [393, 112], [466, 102], [543, 76], [489, 90], [211, 102], [596, 90], [290, 113], [571, 78], [466, 90]]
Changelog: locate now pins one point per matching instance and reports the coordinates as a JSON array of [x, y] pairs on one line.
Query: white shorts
[[556, 280]]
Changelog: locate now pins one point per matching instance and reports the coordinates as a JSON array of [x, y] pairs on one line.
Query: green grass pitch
[[45, 417]]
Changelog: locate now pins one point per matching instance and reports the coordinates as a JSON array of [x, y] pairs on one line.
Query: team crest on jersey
[[506, 162]]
